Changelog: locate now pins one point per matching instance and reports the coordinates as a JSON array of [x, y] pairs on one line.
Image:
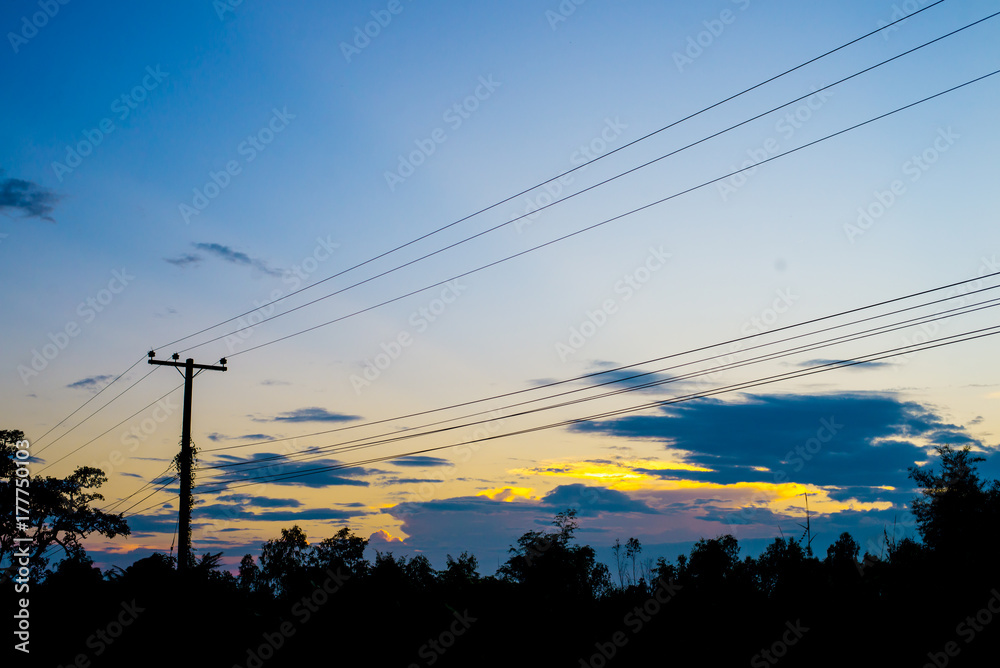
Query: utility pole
[[186, 500]]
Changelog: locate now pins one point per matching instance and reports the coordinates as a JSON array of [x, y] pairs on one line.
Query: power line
[[656, 359], [590, 188], [863, 359], [116, 426], [134, 364], [603, 222], [566, 173], [856, 336], [95, 412]]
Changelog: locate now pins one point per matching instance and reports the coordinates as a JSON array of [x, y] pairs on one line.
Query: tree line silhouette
[[930, 602]]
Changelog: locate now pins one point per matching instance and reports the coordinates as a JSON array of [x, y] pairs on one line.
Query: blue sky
[[167, 168]]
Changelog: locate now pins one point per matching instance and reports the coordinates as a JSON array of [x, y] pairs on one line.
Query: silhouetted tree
[[343, 550], [284, 561], [957, 513], [461, 573], [550, 565], [60, 511]]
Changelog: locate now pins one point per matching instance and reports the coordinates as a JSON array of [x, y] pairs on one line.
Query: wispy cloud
[[216, 436], [420, 460], [237, 257], [302, 473], [30, 199], [185, 260], [222, 252], [91, 383], [861, 367], [313, 414]]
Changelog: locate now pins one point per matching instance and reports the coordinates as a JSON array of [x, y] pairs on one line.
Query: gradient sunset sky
[[166, 167]]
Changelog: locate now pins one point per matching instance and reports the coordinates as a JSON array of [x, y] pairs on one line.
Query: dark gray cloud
[[185, 260], [91, 383], [861, 440], [29, 199], [420, 461], [313, 414], [216, 436], [592, 501], [261, 501], [262, 467]]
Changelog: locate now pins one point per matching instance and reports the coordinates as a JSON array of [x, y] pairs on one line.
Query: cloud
[[420, 460], [860, 367], [185, 260], [224, 511], [261, 501], [314, 414], [263, 465], [90, 383], [828, 440], [238, 257], [402, 481], [593, 500], [216, 436], [31, 199]]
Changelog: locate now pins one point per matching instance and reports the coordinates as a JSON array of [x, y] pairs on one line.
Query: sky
[[170, 171]]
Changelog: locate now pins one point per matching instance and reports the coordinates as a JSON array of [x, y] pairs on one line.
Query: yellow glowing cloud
[[631, 476], [386, 536], [507, 494], [613, 473]]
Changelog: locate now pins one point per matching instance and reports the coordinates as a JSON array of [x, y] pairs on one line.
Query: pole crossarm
[[183, 364]]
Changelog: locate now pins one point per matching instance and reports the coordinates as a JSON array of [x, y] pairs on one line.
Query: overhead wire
[[565, 173], [587, 189], [323, 451], [863, 359], [612, 219], [595, 374]]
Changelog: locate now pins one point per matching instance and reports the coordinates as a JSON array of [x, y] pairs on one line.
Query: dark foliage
[[321, 602]]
